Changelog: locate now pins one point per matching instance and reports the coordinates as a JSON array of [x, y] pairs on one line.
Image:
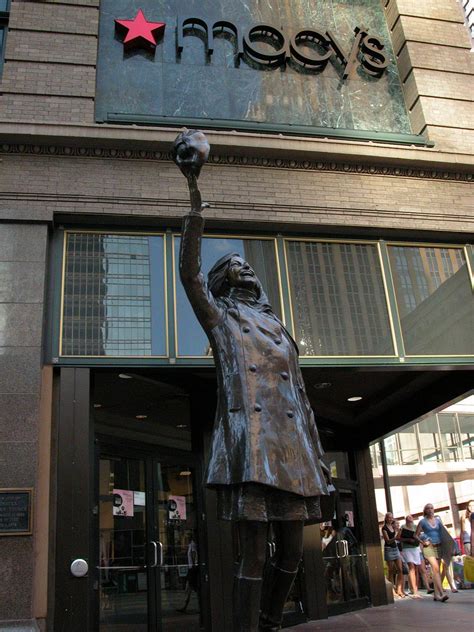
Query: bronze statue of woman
[[266, 456]]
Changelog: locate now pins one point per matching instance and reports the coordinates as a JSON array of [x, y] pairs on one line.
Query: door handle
[[345, 548], [155, 554], [161, 553]]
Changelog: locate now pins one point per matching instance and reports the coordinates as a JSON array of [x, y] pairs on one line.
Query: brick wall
[[436, 66], [50, 57], [36, 187]]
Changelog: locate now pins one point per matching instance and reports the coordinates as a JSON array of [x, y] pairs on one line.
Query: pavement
[[417, 615]]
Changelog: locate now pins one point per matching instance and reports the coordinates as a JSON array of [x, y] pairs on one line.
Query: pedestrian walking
[[392, 555], [410, 553], [430, 526], [466, 529]]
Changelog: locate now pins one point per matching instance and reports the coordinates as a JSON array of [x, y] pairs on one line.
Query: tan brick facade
[[432, 35]]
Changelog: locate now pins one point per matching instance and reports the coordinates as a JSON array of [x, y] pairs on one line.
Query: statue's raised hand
[[190, 151]]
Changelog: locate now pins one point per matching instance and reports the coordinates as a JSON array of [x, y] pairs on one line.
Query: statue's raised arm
[[190, 152]]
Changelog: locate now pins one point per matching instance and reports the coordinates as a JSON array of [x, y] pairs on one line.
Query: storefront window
[[408, 446], [435, 299], [449, 433], [260, 253], [114, 295], [338, 299], [429, 439], [466, 425]]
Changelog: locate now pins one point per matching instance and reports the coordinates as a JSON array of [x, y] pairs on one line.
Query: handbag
[[469, 569], [447, 545]]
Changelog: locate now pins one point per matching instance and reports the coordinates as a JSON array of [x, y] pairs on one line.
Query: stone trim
[[232, 160]]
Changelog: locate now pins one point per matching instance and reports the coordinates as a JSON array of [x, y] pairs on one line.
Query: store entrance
[[149, 561], [343, 548]]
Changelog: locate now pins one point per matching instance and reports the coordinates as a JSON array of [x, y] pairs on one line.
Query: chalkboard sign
[[15, 512]]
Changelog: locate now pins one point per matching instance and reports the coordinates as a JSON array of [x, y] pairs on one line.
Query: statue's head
[[232, 271]]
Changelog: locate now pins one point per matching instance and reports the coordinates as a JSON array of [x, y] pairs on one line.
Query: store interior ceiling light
[[182, 426], [356, 398], [125, 376], [321, 385], [141, 416], [185, 473], [97, 405]]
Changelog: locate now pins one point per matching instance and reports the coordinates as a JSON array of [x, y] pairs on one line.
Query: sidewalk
[[417, 615]]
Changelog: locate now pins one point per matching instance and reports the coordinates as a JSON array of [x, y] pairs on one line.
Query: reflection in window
[[435, 300], [260, 253], [338, 299], [114, 295]]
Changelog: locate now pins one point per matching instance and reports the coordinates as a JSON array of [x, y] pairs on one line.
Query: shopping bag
[[469, 568]]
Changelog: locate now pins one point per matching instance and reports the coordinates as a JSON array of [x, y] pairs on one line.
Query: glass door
[[148, 550], [179, 553], [124, 574], [344, 557]]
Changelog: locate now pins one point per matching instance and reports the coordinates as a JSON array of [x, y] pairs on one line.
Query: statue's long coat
[[264, 429]]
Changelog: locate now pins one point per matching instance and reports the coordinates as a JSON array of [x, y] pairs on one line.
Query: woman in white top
[[411, 554]]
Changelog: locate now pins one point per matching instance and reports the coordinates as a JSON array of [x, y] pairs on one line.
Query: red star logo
[[140, 32]]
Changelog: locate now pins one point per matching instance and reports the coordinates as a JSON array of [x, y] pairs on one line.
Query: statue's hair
[[217, 276]]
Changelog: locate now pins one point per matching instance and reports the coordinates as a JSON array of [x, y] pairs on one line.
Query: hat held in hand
[[190, 151]]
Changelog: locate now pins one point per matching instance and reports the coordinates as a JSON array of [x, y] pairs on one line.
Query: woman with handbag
[[410, 553], [430, 526]]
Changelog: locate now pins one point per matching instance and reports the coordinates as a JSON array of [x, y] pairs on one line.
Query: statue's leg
[[248, 575], [284, 566]]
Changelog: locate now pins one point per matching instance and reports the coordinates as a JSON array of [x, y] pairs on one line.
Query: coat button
[[277, 341], [284, 375], [257, 408], [246, 330], [290, 413], [252, 368]]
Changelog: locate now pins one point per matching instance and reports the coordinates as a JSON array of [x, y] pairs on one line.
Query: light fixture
[[356, 398], [182, 426], [125, 376], [185, 473], [321, 385], [141, 416], [97, 405]]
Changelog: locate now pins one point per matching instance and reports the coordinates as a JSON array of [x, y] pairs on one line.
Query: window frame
[[4, 18], [57, 271]]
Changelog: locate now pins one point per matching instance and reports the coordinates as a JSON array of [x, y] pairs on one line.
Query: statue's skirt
[[254, 501]]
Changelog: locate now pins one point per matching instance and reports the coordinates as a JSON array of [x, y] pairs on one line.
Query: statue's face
[[240, 274]]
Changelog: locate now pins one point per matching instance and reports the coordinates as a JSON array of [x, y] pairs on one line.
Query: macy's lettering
[[309, 48]]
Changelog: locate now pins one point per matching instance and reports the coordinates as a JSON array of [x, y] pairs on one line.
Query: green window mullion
[[469, 254], [392, 300], [285, 286], [170, 284]]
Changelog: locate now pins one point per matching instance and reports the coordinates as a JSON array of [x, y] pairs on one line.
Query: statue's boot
[[246, 604], [277, 587]]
